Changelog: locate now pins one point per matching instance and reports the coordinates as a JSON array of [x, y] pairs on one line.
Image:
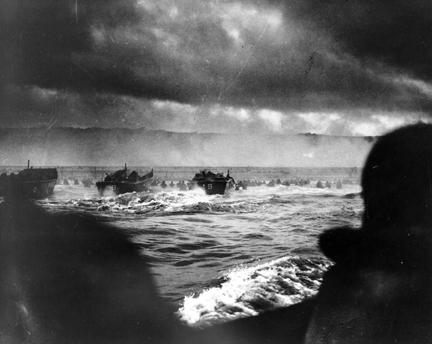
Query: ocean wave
[[247, 291], [193, 201], [161, 203]]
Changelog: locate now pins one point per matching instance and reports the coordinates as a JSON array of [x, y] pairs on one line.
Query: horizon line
[[186, 132]]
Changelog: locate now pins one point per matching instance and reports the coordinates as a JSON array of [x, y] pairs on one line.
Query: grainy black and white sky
[[339, 67]]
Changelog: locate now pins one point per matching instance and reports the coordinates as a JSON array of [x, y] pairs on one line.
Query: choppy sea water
[[217, 258]]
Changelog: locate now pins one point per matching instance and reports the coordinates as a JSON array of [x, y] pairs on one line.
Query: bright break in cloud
[[334, 67]]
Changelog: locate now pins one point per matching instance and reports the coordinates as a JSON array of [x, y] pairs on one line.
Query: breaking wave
[[190, 202], [247, 291], [163, 203]]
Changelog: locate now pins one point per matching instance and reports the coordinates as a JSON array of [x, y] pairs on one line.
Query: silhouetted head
[[379, 290], [397, 180], [397, 193]]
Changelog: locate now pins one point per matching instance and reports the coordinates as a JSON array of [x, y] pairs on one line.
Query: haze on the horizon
[[66, 147], [242, 67]]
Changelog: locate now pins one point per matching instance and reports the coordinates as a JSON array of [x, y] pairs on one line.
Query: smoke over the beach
[[65, 146]]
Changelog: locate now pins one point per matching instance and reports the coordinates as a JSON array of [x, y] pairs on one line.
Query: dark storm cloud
[[350, 55], [85, 56], [50, 45], [329, 85], [392, 32]]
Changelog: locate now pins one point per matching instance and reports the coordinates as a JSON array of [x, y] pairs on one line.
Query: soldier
[[380, 289]]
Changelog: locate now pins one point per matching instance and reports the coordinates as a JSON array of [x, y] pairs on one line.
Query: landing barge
[[33, 183], [121, 182], [214, 183]]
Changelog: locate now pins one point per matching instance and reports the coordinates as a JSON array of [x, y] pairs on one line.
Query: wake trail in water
[[247, 291]]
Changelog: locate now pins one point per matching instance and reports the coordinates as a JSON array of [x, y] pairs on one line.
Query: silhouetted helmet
[[397, 179]]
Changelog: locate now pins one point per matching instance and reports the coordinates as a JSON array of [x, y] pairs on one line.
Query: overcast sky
[[340, 67]]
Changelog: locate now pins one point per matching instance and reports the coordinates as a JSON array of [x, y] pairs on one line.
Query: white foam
[[172, 201], [247, 291]]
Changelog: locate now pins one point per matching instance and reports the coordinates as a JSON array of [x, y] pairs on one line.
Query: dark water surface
[[216, 258]]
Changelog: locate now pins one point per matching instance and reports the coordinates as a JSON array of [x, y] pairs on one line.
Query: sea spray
[[163, 203], [247, 291]]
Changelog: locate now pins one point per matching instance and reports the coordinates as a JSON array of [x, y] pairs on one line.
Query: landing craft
[[33, 183], [123, 183], [213, 183]]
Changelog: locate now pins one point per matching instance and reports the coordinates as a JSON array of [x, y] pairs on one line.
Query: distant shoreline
[[185, 166], [187, 172]]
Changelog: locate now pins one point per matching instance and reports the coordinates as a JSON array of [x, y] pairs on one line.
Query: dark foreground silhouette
[[380, 289], [71, 279]]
